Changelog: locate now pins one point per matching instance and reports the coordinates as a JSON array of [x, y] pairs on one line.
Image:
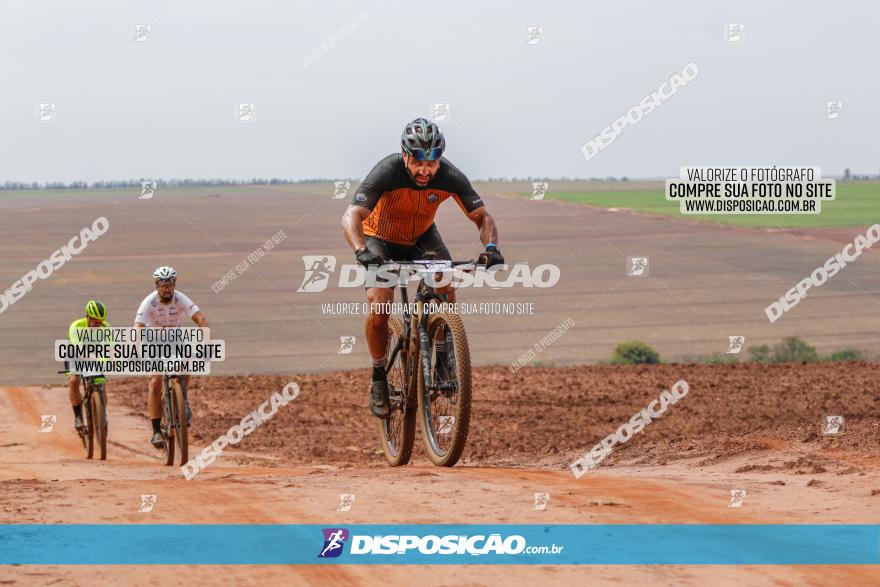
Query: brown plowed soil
[[547, 417]]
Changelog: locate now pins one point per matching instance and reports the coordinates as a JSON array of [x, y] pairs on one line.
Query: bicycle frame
[[424, 295], [166, 383], [89, 387]]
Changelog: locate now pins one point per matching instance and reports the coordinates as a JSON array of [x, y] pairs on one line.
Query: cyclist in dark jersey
[[391, 217]]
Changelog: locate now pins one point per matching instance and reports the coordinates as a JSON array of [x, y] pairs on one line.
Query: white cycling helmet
[[164, 273]]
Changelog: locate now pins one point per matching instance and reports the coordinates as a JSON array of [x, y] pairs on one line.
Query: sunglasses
[[162, 282], [425, 154]]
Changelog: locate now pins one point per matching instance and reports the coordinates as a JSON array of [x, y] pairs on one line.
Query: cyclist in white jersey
[[165, 308]]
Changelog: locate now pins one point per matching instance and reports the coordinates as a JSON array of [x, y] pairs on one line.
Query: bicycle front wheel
[[89, 421], [99, 419], [181, 431], [397, 433], [167, 426], [445, 393]]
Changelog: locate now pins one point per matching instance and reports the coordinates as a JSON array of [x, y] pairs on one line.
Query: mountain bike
[[429, 373], [94, 431], [174, 425]]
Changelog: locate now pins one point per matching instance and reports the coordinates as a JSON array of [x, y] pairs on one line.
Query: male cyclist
[[96, 317], [391, 217], [163, 309]]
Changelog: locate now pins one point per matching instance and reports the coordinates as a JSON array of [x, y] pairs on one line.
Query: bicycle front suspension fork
[[424, 344]]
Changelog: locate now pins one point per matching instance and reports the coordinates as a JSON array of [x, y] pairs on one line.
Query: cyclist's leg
[[376, 325], [154, 402], [75, 400], [73, 390], [379, 295]]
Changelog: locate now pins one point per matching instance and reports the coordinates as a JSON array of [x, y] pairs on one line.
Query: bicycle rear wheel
[[181, 432], [445, 393], [99, 417], [398, 431]]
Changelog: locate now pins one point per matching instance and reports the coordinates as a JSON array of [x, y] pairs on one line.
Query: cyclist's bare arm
[[200, 319], [352, 225], [202, 322], [486, 224]]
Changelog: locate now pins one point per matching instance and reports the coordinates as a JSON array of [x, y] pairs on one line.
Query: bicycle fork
[[183, 389], [87, 410], [424, 344], [99, 389], [169, 413]]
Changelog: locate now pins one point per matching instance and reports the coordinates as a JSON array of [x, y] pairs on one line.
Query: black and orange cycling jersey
[[401, 211]]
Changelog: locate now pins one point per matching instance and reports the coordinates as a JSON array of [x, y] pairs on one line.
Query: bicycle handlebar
[[435, 265]]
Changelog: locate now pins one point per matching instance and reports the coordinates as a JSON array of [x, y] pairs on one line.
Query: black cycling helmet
[[423, 140]]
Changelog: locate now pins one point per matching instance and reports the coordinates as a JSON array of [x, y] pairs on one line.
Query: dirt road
[[45, 479]]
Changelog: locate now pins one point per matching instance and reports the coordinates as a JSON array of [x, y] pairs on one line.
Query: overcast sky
[[166, 107]]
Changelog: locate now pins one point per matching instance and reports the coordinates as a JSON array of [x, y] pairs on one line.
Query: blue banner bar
[[615, 544]]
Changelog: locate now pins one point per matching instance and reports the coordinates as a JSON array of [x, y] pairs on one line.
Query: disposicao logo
[[334, 540]]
